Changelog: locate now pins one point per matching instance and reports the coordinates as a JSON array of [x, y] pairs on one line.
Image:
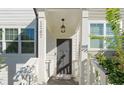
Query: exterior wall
[[19, 18]]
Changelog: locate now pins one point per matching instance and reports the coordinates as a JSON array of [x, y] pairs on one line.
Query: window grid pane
[[11, 34], [27, 34], [96, 43], [11, 47], [110, 43], [109, 30], [27, 47], [96, 29]]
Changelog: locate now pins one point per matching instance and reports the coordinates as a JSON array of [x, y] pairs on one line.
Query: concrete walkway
[[53, 81]]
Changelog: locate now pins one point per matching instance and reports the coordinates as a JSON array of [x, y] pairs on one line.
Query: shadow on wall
[[13, 59], [51, 50]]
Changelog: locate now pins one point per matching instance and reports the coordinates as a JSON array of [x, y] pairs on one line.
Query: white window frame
[[104, 22], [19, 40]]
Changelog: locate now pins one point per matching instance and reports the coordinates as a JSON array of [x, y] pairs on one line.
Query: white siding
[[96, 13], [19, 18], [16, 16], [99, 13]]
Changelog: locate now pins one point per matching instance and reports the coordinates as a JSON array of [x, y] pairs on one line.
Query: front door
[[64, 56]]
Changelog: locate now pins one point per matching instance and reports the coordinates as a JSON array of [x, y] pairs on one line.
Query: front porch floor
[[53, 81]]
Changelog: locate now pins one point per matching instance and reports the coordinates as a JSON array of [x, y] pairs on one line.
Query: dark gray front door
[[64, 56]]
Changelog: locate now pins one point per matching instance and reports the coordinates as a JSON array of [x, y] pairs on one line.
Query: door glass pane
[[96, 43], [96, 29]]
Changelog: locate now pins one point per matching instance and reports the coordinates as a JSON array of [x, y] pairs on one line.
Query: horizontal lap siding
[[96, 13], [16, 16], [99, 13]]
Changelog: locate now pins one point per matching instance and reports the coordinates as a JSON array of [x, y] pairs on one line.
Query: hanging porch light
[[63, 26]]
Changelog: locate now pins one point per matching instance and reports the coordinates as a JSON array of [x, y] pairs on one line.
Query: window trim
[[19, 40], [104, 22]]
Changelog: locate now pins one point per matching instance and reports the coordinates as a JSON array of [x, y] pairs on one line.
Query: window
[[27, 40], [101, 30], [17, 40], [11, 37]]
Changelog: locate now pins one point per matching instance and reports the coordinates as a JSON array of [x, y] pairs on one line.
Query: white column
[[84, 48], [41, 45]]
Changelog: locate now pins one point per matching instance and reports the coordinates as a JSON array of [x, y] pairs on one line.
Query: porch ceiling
[[72, 19]]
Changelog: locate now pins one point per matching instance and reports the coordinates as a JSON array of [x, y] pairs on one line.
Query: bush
[[111, 65]]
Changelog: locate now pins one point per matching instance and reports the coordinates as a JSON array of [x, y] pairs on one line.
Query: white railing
[[97, 74], [28, 74], [92, 73]]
